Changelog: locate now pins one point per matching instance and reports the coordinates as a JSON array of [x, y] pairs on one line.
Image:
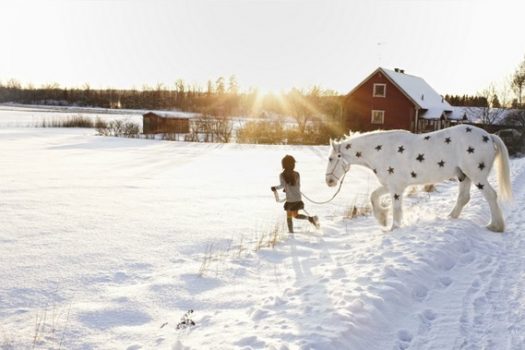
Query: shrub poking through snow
[[186, 320], [77, 121], [267, 238], [355, 211], [429, 188], [119, 128]]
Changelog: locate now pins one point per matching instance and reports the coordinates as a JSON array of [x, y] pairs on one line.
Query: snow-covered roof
[[432, 113], [177, 115], [418, 90]]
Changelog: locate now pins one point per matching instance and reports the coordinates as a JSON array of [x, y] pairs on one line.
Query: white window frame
[[376, 94], [375, 113]]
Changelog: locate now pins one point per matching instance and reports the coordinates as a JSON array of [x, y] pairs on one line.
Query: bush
[[119, 128], [274, 132], [265, 132], [78, 121]]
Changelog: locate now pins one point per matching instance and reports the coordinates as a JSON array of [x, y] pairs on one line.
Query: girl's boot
[[289, 222], [314, 220]]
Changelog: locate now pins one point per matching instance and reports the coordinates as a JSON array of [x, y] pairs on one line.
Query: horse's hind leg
[[379, 211], [463, 196], [497, 224]]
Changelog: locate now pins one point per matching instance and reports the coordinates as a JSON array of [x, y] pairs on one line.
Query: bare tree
[[299, 109], [518, 82], [493, 112]]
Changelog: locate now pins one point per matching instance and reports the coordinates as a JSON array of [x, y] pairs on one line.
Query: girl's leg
[[312, 219], [290, 214]]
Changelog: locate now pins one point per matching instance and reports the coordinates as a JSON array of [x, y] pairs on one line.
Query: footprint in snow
[[419, 293], [429, 315], [404, 335], [445, 281], [404, 339]]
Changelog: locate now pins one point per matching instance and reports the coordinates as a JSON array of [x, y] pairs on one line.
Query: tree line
[[220, 98]]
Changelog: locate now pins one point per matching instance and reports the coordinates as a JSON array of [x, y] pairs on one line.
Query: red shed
[[392, 99], [165, 122]]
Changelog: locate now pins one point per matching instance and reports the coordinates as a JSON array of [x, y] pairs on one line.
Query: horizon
[[271, 46]]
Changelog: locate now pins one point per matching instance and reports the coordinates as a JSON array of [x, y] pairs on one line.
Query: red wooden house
[[392, 99]]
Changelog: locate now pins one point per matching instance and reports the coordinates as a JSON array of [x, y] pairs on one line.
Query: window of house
[[378, 117], [379, 90]]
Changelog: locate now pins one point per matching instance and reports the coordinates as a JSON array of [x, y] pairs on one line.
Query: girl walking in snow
[[290, 181]]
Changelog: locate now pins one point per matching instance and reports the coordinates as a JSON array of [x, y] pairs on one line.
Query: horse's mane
[[357, 134]]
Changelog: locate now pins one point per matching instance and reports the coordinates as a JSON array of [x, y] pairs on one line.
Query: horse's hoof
[[393, 227], [495, 228]]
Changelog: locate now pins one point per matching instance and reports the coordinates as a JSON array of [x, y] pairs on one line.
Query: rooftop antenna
[[380, 45]]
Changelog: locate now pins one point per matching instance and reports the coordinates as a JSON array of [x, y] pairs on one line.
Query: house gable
[[378, 95], [404, 98]]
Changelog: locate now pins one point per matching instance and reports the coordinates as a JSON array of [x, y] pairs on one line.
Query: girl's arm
[[281, 186]]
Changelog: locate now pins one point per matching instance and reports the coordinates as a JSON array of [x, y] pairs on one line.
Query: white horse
[[400, 159]]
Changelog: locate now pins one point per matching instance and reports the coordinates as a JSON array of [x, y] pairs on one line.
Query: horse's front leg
[[397, 207], [379, 211]]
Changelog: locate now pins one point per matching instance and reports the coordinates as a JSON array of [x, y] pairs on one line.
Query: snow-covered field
[[15, 115], [105, 243]]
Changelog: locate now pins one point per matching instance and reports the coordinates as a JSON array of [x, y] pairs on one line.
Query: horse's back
[[442, 154]]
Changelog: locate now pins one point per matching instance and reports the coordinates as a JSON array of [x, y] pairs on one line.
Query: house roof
[[415, 89], [418, 90], [173, 115]]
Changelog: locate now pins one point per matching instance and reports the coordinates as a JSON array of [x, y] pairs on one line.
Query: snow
[[16, 115], [104, 244], [418, 90]]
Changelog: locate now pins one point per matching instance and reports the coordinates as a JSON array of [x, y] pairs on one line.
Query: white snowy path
[[105, 237]]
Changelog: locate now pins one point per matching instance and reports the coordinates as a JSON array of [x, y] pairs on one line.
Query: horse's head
[[337, 165]]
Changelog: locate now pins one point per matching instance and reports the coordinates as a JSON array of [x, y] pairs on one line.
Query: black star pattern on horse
[[390, 170], [486, 138], [378, 147], [413, 174], [480, 186], [348, 146], [396, 196], [468, 129], [448, 140], [358, 154], [481, 166], [401, 149], [441, 163], [420, 157], [470, 149], [427, 138]]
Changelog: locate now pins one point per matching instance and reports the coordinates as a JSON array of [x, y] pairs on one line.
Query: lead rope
[[279, 200], [331, 199]]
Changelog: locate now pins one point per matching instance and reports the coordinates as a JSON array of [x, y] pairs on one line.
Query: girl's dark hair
[[289, 175]]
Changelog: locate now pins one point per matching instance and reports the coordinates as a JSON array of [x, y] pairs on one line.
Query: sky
[[457, 46]]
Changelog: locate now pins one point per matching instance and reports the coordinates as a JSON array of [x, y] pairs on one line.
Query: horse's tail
[[503, 169]]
